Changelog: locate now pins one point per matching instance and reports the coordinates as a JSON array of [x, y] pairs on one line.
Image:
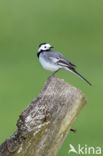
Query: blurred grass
[[73, 27]]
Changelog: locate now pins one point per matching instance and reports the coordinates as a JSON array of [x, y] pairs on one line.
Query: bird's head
[[44, 47]]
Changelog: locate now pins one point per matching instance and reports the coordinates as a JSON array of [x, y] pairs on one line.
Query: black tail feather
[[74, 71]]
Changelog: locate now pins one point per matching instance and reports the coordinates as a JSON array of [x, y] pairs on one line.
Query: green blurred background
[[73, 27]]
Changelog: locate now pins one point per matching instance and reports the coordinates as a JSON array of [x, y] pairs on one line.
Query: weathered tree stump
[[44, 124]]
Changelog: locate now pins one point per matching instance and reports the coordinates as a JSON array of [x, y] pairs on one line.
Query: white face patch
[[46, 46]]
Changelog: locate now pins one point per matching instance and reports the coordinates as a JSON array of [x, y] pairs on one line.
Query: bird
[[54, 61]]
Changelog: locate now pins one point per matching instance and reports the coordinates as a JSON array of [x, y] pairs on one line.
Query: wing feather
[[66, 64]]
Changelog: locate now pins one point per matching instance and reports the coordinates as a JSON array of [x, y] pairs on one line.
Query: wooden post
[[44, 124]]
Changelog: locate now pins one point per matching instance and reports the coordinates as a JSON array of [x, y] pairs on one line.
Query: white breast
[[48, 66]]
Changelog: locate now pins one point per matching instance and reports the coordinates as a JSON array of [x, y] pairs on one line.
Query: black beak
[[51, 47]]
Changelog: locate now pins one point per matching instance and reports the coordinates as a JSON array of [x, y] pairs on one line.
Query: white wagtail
[[54, 61]]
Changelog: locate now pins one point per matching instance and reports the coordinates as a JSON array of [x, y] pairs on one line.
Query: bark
[[44, 124]]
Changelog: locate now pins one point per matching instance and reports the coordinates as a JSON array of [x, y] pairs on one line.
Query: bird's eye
[[45, 47]]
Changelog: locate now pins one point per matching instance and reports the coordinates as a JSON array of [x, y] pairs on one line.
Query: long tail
[[75, 72]]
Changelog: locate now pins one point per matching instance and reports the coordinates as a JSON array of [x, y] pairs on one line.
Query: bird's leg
[[55, 72]]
